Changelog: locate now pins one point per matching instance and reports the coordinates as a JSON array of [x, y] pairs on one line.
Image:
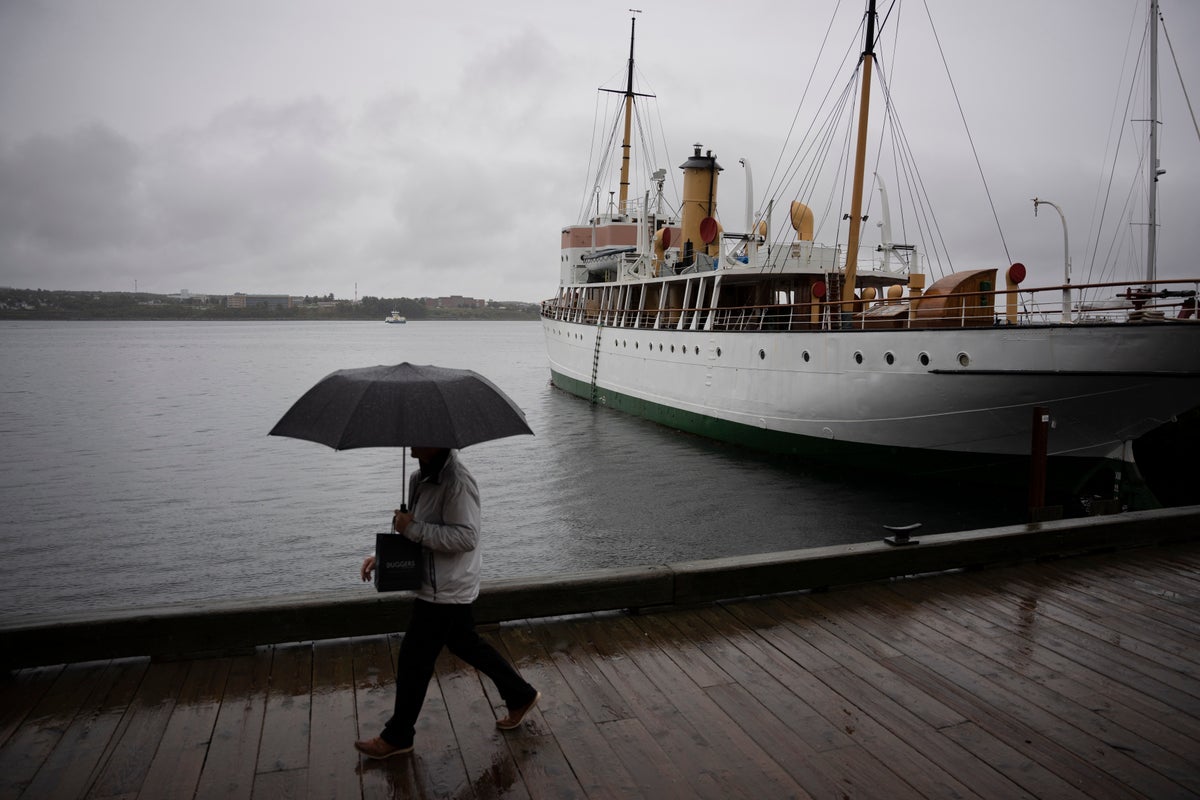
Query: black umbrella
[[401, 406]]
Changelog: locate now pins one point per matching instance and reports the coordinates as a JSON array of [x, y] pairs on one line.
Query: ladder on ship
[[596, 358]]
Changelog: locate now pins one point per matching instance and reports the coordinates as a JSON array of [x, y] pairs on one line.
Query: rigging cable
[[1109, 264], [1182, 86], [978, 166]]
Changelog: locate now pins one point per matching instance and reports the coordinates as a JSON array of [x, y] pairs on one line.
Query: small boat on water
[[395, 318], [847, 353]]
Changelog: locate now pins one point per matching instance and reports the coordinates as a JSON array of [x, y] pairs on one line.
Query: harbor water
[[136, 470]]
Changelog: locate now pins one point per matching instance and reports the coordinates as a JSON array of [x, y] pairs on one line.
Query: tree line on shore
[[93, 305]]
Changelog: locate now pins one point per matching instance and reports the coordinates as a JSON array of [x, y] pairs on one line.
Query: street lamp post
[[1066, 298]]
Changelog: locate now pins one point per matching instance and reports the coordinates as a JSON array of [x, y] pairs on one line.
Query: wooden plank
[[960, 689], [1141, 738], [734, 646], [922, 756], [736, 763], [334, 726], [286, 725], [374, 698], [596, 770], [687, 655], [20, 691], [1032, 777], [136, 740], [653, 773], [892, 749], [487, 760], [71, 765], [42, 727], [1138, 627], [831, 708], [1166, 596], [179, 759], [543, 766], [1131, 669], [1146, 573], [691, 754], [824, 634], [1037, 658], [438, 768], [1077, 729], [602, 701], [233, 751], [284, 784]]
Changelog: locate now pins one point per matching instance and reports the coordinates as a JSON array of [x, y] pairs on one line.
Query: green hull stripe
[[1071, 475]]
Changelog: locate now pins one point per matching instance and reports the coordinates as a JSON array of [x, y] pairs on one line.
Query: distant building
[[240, 300], [454, 301]]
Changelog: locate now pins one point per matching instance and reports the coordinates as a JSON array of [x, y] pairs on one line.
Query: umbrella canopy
[[401, 406]]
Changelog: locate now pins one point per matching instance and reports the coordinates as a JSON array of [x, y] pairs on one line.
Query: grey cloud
[[73, 192]]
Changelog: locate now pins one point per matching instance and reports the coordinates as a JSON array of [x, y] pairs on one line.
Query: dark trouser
[[433, 626]]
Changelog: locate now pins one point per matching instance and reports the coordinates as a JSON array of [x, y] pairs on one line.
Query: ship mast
[[629, 93], [868, 58], [1152, 234]]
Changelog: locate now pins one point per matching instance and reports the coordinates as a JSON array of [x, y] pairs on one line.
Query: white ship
[[847, 353]]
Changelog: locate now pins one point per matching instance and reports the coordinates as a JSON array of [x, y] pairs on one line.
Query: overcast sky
[[306, 147]]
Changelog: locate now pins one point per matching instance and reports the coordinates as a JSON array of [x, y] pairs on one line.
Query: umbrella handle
[[404, 480]]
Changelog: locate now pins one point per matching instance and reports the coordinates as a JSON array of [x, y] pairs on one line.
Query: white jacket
[[446, 522]]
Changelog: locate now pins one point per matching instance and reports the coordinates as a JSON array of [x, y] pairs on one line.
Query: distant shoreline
[[444, 316], [91, 306]]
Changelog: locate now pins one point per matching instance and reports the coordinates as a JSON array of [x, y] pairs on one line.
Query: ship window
[[762, 354], [718, 352], [660, 347], [697, 349], [857, 357], [964, 359], [805, 356], [889, 358], [635, 345], [672, 348], [924, 359]]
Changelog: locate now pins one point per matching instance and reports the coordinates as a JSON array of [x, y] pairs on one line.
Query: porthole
[[964, 360], [660, 347], [672, 348], [805, 356], [924, 359], [635, 345], [857, 357], [762, 354], [718, 352], [889, 358]]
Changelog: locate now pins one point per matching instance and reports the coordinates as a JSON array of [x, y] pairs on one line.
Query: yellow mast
[[868, 58], [624, 197]]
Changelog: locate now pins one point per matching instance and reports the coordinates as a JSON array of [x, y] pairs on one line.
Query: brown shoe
[[515, 715], [378, 748]]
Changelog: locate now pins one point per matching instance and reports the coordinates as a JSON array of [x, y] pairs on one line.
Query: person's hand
[[401, 520], [368, 566]]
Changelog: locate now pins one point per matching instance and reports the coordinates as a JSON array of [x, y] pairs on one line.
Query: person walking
[[445, 521]]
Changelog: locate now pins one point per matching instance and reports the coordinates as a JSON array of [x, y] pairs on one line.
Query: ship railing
[[1100, 303]]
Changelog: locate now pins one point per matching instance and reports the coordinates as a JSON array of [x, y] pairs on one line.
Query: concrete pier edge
[[190, 630]]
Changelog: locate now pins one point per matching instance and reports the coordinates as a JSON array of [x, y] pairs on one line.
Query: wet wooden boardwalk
[[1066, 679]]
